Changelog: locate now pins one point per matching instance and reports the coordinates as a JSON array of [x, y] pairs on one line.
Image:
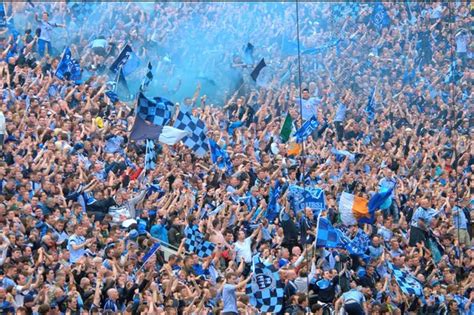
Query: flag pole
[[302, 144]]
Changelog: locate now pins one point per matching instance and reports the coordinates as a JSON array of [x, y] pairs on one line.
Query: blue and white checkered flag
[[157, 112], [197, 141], [266, 290], [195, 242], [327, 235], [150, 155], [148, 78], [359, 244], [407, 283]]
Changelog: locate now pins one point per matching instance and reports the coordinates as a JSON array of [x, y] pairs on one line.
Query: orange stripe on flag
[[294, 148], [360, 208]]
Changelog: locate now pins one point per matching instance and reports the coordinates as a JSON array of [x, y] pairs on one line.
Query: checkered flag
[[328, 236], [150, 155], [147, 79], [266, 290], [359, 244], [407, 283], [157, 112], [198, 140], [195, 242]]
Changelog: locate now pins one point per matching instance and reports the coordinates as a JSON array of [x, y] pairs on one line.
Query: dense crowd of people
[[79, 212]]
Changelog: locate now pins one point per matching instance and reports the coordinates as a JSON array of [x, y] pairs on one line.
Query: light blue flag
[[132, 64]]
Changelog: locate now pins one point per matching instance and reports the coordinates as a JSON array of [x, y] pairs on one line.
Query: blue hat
[[133, 234]]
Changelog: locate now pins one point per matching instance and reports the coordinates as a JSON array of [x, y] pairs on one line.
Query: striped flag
[[353, 208]]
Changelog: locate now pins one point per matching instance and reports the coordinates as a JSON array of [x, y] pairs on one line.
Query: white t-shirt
[[2, 124], [244, 249]]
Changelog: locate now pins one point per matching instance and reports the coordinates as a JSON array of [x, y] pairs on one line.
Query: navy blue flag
[[305, 131], [113, 97], [195, 242], [407, 283], [380, 17], [151, 252], [68, 68], [378, 200], [122, 59], [308, 197], [248, 54], [370, 109], [220, 157], [272, 208], [255, 73], [121, 88], [266, 290], [328, 236], [143, 130], [157, 112], [197, 140], [150, 155]]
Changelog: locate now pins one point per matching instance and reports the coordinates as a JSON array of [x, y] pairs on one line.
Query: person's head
[[231, 278], [305, 94], [45, 16], [113, 294]]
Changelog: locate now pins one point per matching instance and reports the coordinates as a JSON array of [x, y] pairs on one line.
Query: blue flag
[[309, 197], [195, 242], [380, 18], [359, 244], [126, 60], [151, 252], [3, 20], [220, 157], [148, 78], [197, 140], [121, 87], [266, 290], [370, 109], [273, 207], [328, 236], [323, 48], [157, 112], [305, 131], [342, 154], [132, 64], [377, 201], [113, 97], [68, 68], [407, 283]]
